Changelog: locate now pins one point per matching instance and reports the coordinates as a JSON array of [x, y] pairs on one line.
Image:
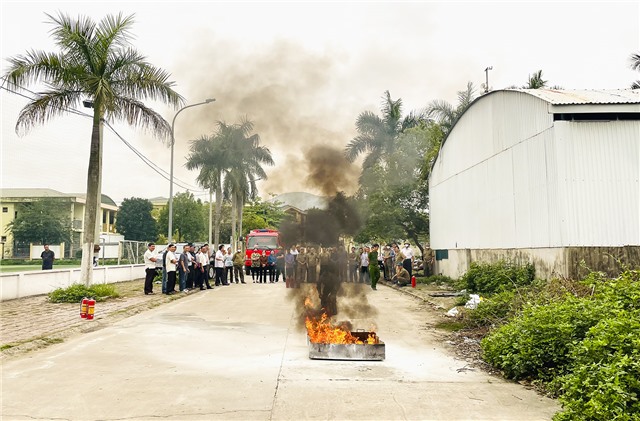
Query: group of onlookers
[[190, 269]]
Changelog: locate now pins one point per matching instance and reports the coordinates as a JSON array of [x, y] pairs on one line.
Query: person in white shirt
[[364, 266], [150, 257], [407, 263], [220, 266], [170, 265]]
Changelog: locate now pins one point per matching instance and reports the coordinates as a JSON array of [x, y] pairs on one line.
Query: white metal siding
[[509, 177], [599, 178]]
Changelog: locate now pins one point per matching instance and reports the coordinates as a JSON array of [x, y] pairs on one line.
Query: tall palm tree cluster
[[230, 162], [96, 63]]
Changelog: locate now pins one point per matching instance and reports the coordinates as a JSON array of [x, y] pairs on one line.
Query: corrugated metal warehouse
[[542, 176]]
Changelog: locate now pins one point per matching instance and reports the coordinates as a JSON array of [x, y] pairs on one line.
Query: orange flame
[[323, 331]]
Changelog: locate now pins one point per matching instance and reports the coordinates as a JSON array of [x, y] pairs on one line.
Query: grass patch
[[450, 325], [7, 346]]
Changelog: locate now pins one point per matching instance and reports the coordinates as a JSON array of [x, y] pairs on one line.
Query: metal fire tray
[[359, 352]]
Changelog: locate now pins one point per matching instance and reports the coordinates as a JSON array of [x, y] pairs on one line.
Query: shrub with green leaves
[[537, 343], [487, 278], [604, 383], [76, 292]]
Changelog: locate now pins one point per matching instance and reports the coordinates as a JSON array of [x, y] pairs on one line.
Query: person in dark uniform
[[47, 258]]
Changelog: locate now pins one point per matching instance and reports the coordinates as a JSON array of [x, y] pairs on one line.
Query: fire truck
[[263, 240]]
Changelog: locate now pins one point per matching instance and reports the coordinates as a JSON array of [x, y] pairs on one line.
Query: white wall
[[24, 284]]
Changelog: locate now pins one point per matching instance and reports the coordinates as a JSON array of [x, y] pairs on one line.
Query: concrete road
[[236, 353]]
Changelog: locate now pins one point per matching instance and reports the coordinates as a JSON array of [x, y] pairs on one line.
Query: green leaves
[[135, 221], [42, 221]]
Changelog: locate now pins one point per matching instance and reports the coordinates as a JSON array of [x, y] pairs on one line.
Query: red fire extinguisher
[[413, 282], [91, 305], [83, 308]]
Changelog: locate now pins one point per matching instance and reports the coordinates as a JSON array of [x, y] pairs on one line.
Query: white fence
[[24, 284]]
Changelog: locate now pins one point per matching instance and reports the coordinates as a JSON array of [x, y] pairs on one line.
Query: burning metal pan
[[358, 352]]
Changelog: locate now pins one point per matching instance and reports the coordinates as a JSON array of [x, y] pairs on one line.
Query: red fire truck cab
[[261, 240]]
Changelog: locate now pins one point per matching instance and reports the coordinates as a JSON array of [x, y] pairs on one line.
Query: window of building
[[5, 209], [3, 239], [442, 254]]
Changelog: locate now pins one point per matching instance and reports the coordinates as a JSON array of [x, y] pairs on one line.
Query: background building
[[542, 176], [11, 201]]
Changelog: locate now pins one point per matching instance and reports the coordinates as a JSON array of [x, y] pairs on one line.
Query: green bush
[[605, 381], [487, 278], [492, 311], [537, 343], [435, 279], [76, 292]]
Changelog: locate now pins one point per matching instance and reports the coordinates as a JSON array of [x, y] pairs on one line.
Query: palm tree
[[445, 114], [230, 159], [96, 63], [535, 81], [377, 136], [209, 155], [246, 160], [635, 65]]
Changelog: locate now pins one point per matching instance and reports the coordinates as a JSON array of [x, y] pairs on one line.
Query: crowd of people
[[190, 269]]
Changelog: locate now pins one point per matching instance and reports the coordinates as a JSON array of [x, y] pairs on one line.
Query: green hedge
[[76, 292], [585, 348], [488, 278]]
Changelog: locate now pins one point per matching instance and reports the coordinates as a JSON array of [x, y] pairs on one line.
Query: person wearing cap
[[238, 263], [402, 277], [407, 251]]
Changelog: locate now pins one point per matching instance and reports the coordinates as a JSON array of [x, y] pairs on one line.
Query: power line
[[144, 159]]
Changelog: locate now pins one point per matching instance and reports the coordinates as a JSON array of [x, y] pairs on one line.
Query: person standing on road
[[364, 265], [262, 273], [374, 266], [407, 263], [219, 264], [352, 268], [150, 257], [191, 266], [47, 258], [312, 265], [204, 263], [255, 264], [301, 266], [238, 263], [183, 268], [170, 264], [228, 267]]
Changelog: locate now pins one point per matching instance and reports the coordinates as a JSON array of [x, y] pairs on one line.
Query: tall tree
[[247, 158], [96, 62], [135, 221], [635, 65], [377, 135], [209, 154], [188, 216], [446, 114], [42, 221]]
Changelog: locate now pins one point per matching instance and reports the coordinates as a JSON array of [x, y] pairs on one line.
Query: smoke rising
[[285, 91]]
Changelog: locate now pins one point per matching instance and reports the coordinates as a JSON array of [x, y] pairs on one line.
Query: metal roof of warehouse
[[584, 96]]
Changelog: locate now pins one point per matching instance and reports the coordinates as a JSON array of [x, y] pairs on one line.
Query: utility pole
[[486, 85]]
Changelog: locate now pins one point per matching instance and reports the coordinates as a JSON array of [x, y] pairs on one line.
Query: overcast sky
[[302, 72]]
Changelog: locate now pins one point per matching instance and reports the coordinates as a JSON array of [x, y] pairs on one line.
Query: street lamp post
[[173, 141]]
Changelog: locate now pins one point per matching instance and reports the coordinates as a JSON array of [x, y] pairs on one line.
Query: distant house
[[542, 176], [12, 199], [297, 204]]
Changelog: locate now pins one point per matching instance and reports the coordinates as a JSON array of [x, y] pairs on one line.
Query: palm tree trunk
[[240, 214], [92, 200], [210, 212], [234, 206], [216, 231]]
